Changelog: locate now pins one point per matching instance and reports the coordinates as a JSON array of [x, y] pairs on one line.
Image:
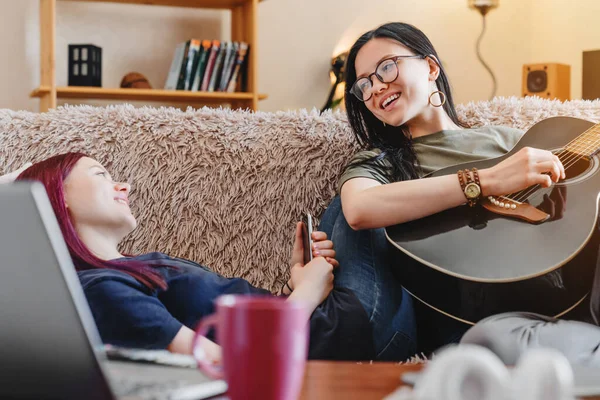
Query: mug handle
[[203, 364]]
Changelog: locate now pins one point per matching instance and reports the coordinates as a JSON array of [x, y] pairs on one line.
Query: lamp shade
[[483, 6]]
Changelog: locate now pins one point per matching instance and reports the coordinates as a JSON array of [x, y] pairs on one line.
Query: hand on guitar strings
[[527, 167]]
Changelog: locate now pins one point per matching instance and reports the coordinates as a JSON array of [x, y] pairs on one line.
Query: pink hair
[[52, 173]]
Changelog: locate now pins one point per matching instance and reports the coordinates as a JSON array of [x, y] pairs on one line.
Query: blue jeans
[[366, 267]]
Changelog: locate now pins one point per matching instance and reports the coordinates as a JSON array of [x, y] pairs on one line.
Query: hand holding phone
[[307, 231]]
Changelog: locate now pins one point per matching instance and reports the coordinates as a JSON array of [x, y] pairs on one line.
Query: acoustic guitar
[[534, 250]]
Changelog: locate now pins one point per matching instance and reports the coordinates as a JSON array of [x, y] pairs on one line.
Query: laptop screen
[[48, 340]]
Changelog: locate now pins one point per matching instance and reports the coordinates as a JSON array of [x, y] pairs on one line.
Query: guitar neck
[[587, 144]]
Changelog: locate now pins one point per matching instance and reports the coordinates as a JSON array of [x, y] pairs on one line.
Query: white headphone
[[470, 372]]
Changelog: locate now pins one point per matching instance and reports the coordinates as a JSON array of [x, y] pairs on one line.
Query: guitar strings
[[526, 193], [592, 145], [571, 159]]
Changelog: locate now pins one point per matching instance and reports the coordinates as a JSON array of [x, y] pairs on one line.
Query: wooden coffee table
[[350, 380]]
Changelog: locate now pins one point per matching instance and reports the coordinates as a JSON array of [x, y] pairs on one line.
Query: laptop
[[49, 344]]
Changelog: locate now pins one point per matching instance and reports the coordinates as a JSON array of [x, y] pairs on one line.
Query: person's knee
[[401, 347], [330, 216], [485, 334]]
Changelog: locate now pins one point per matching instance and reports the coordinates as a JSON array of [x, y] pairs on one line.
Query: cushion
[[11, 176]]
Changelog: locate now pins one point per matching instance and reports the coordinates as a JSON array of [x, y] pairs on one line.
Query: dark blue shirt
[[129, 314]]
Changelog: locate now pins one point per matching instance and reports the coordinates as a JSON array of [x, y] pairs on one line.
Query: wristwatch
[[471, 187]]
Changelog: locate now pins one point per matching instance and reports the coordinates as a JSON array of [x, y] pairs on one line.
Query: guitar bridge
[[511, 208]]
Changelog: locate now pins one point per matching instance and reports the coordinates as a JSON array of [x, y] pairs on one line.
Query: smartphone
[[307, 231]]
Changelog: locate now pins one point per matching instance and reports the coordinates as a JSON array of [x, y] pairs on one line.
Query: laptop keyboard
[[161, 357], [154, 375], [132, 388], [150, 390]]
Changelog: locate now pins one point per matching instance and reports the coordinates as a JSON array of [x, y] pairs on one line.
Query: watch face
[[472, 190]]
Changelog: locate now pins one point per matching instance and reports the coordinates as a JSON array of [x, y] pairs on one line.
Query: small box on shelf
[[85, 65]]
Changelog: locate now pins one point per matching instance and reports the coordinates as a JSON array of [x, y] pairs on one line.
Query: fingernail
[[317, 253]]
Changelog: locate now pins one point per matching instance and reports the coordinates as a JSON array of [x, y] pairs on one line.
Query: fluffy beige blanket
[[223, 187]]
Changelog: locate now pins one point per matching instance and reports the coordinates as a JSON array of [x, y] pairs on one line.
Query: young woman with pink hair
[[154, 300]]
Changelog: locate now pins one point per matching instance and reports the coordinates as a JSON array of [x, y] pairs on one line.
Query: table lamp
[[337, 74]]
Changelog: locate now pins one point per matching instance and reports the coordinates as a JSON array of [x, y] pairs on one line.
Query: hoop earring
[[442, 95]]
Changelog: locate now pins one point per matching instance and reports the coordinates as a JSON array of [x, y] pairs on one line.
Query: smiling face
[[400, 101], [95, 201]]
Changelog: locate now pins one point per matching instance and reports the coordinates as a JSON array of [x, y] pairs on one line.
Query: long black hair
[[396, 147]]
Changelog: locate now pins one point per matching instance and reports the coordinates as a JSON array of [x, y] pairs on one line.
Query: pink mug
[[264, 341]]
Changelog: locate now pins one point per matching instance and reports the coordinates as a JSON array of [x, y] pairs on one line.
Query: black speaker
[[590, 77], [549, 80], [537, 81]]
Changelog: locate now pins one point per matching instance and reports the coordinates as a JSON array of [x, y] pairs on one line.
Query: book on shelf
[[189, 55], [212, 57], [193, 65], [228, 66], [171, 83], [226, 56], [215, 79], [201, 66], [217, 67], [241, 57], [208, 65]]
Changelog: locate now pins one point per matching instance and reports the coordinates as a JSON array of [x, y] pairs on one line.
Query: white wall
[[297, 39], [564, 29], [19, 64], [297, 43]]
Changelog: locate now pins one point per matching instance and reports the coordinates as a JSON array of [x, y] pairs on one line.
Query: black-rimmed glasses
[[386, 72]]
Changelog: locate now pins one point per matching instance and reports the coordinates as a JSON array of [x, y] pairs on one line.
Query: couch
[[224, 187]]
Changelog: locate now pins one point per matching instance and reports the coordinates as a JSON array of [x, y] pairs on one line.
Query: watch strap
[[465, 178]]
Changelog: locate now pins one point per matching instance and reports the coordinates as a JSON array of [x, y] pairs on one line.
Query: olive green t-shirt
[[440, 150]]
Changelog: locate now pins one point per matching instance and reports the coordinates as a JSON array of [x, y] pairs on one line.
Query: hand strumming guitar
[[527, 167]]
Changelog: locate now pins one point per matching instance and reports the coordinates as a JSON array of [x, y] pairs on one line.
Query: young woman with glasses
[[401, 110]]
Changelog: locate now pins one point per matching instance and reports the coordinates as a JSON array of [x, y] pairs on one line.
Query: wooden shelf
[[217, 4], [244, 14], [83, 92]]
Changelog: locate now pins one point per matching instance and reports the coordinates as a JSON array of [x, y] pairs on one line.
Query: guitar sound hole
[[553, 200], [575, 165]]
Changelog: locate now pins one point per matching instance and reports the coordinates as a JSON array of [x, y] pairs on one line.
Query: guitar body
[[470, 263]]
